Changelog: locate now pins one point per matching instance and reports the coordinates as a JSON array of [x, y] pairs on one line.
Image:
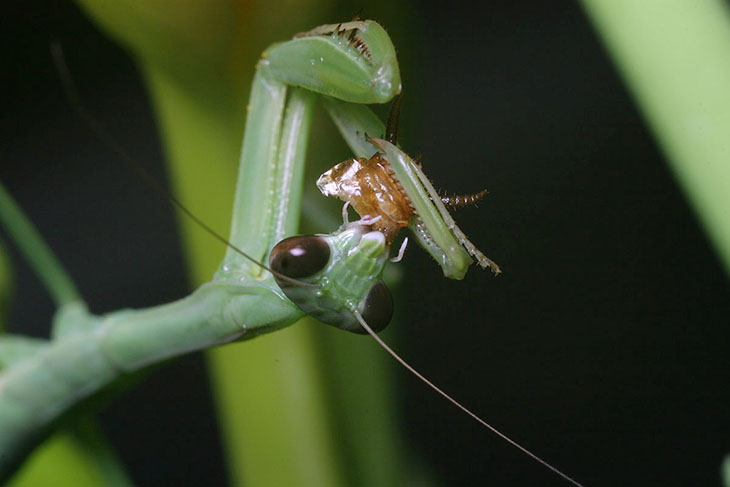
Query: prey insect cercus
[[350, 64]]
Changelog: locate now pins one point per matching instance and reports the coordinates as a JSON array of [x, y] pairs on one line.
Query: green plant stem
[[40, 257], [88, 433], [70, 314], [675, 58], [725, 471]]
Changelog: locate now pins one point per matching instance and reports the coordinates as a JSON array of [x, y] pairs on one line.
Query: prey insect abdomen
[[372, 189]]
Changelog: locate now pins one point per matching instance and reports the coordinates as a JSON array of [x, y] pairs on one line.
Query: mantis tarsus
[[273, 152]]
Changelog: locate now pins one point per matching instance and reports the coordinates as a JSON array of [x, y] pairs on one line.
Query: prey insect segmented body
[[371, 188]]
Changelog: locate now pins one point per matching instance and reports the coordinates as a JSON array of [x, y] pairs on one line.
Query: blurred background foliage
[[601, 347]]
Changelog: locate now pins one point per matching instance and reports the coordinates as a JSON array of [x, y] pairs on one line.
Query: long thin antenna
[[98, 129], [459, 405]]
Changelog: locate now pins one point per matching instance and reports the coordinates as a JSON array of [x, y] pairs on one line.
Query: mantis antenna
[[458, 404]]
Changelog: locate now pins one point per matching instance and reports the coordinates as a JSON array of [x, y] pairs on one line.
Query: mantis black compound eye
[[378, 308], [299, 257]]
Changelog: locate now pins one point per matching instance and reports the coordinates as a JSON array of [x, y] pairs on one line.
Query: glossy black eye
[[378, 309], [300, 256]]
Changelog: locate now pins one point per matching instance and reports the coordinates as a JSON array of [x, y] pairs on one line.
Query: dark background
[[602, 347]]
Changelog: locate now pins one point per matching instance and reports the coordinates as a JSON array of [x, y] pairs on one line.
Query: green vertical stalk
[[675, 58], [40, 257]]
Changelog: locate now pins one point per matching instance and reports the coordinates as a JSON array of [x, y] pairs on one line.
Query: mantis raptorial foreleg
[[354, 62], [433, 227]]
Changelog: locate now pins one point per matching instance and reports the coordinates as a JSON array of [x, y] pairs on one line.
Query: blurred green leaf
[[675, 58]]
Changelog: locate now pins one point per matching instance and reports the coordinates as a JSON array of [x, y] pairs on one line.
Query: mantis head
[[346, 268]]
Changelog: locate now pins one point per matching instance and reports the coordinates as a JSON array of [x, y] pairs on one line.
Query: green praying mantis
[[336, 278]]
